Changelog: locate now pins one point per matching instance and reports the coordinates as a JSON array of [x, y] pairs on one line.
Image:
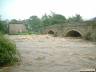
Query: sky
[[23, 9]]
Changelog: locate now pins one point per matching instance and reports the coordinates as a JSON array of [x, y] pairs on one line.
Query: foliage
[[53, 19], [34, 23], [3, 26], [93, 36], [57, 19], [8, 52], [87, 37], [76, 18], [14, 21], [45, 20]]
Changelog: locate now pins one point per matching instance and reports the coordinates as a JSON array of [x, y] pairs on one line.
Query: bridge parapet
[[62, 29]]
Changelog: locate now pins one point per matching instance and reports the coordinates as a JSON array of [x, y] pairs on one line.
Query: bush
[[8, 52], [3, 27], [87, 37], [93, 36]]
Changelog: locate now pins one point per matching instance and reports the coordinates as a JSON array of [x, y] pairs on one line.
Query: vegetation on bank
[[3, 26], [8, 52]]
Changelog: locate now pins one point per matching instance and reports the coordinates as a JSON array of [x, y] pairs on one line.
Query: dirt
[[44, 53]]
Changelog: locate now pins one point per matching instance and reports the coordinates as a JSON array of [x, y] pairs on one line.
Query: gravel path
[[43, 53]]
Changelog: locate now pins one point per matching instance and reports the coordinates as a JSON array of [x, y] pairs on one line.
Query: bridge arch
[[51, 32], [73, 33]]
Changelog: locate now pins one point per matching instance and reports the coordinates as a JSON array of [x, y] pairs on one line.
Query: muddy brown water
[[43, 53]]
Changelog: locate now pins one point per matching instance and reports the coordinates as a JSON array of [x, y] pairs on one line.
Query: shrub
[[8, 53], [93, 36], [3, 27], [87, 37]]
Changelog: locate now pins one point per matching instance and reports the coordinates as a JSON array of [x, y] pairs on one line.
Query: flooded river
[[43, 53]]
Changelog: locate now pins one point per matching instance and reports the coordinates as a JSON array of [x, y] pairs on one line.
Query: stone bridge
[[73, 30]]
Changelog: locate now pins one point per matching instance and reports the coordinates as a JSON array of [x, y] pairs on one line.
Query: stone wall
[[16, 28]]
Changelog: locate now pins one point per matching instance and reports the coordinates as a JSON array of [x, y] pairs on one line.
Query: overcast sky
[[22, 9]]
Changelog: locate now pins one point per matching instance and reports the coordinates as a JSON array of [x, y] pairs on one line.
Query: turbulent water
[[43, 53]]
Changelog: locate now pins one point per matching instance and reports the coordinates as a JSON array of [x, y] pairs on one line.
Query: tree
[[3, 26], [57, 18], [34, 23], [45, 20], [53, 19], [76, 18], [14, 21]]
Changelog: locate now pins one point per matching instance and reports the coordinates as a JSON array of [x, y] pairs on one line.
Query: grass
[[8, 52]]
